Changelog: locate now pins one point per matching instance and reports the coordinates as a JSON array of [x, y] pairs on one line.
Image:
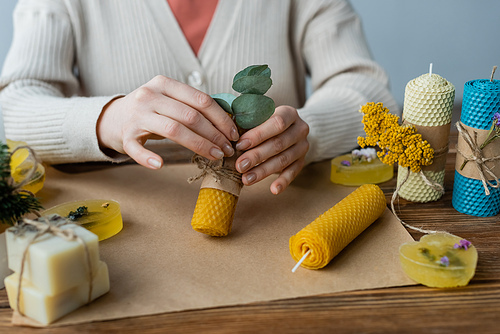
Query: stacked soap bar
[[56, 273]]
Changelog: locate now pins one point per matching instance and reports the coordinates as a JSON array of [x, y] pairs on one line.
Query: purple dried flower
[[465, 244], [345, 163], [445, 262], [496, 119]]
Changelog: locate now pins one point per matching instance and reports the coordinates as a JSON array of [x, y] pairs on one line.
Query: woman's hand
[[166, 108], [278, 145]]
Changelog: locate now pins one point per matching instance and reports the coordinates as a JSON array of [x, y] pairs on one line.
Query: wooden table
[[412, 309]]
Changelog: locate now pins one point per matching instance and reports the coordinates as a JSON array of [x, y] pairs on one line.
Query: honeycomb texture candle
[[331, 232], [214, 212], [439, 260], [428, 105], [480, 103]]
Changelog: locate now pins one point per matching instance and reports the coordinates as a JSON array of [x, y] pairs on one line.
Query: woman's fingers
[[199, 101], [172, 114], [279, 145], [279, 163]]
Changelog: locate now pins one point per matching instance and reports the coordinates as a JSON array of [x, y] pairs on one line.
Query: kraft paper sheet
[[158, 264]]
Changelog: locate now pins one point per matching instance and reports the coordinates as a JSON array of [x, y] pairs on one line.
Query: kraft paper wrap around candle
[[219, 192], [428, 105], [481, 100], [331, 232]]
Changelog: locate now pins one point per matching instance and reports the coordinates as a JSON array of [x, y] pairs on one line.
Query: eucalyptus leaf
[[224, 100], [252, 85], [251, 110], [253, 70]]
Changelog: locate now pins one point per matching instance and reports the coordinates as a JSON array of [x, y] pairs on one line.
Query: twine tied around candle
[[54, 228], [436, 186], [478, 158], [214, 168]]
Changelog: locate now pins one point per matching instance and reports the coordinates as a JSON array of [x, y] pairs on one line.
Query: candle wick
[[493, 72], [301, 260], [430, 69]]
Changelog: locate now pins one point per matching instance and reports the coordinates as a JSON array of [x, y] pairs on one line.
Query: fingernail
[[278, 189], [251, 178], [228, 150], [216, 153], [234, 134], [243, 165], [154, 163], [243, 145]]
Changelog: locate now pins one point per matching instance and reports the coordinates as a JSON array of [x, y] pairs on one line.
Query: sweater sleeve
[[343, 77], [38, 88]]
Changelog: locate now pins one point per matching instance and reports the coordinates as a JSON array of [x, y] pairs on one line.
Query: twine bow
[[478, 158], [214, 168], [52, 226]]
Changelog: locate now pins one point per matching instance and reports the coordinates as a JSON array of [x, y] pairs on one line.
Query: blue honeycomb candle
[[481, 100]]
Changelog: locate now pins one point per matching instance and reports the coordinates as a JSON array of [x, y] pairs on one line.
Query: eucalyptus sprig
[[251, 107], [14, 202]]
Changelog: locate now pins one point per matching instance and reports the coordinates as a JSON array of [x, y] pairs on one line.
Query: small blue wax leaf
[[252, 85], [224, 100], [251, 110]]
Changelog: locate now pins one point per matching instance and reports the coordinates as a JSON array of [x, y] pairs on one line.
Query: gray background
[[460, 37]]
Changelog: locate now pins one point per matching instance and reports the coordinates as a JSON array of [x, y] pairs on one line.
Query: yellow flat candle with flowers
[[439, 260], [100, 216], [360, 167], [318, 243]]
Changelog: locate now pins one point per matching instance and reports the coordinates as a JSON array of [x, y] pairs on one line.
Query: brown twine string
[[214, 168], [478, 159], [47, 227], [436, 186], [493, 73]]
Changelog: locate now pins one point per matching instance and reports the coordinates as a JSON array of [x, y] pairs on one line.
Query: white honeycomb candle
[[428, 105]]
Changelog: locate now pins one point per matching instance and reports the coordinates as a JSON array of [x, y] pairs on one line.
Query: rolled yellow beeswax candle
[[328, 234]]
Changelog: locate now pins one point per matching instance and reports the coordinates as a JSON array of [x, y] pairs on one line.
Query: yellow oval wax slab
[[21, 163], [439, 260], [347, 172], [102, 217]]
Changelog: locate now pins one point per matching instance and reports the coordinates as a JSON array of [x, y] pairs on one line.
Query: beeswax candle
[[439, 260], [331, 232], [480, 103], [36, 304], [21, 164], [428, 105], [53, 264], [346, 170], [100, 216], [214, 211]]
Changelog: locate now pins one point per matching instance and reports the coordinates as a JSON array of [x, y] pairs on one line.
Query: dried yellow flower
[[397, 143]]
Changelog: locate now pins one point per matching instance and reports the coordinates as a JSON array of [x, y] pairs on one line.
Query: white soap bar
[[45, 309], [53, 264], [4, 268]]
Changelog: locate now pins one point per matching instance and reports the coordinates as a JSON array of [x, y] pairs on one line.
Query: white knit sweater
[[70, 57]]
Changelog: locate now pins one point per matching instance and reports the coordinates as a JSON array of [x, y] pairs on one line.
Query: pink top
[[193, 17]]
